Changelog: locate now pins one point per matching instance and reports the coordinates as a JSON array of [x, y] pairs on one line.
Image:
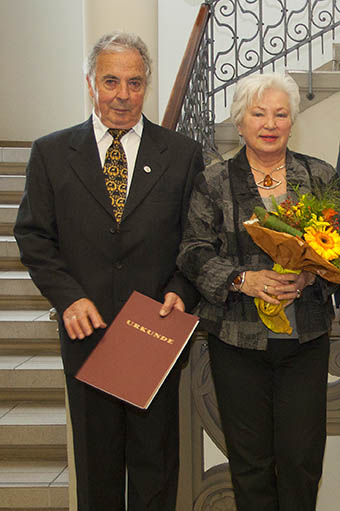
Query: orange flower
[[328, 214]]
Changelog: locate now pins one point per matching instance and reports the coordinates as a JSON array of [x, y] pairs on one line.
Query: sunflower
[[324, 240]]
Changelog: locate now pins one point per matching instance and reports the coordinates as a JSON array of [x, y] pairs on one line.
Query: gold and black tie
[[116, 173]]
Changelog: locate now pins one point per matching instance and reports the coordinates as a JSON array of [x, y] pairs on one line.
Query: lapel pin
[[147, 169]]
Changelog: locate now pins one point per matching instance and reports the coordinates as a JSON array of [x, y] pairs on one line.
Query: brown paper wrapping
[[291, 252]]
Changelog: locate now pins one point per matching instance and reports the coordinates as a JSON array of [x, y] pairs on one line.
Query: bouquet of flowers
[[299, 235]]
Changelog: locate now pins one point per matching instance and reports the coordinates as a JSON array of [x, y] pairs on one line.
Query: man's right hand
[[81, 317]]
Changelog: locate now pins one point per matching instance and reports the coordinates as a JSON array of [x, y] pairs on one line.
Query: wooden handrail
[[174, 106], [12, 143]]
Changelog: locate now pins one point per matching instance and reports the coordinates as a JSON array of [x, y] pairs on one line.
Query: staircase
[[33, 454]]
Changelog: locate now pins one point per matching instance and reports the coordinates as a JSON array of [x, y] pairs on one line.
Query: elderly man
[[102, 215]]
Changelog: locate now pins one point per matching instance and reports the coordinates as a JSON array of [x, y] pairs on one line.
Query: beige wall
[[42, 86], [40, 54]]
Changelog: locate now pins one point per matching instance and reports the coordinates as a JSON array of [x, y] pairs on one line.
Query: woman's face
[[266, 124]]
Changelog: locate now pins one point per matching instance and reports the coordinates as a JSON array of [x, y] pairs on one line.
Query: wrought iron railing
[[248, 36]]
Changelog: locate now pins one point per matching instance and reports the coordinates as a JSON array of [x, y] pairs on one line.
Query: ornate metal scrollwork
[[197, 116], [258, 33], [248, 36]]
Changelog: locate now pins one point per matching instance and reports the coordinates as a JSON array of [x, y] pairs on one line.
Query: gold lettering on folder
[[152, 333]]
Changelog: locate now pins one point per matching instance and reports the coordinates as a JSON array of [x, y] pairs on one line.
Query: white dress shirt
[[130, 143]]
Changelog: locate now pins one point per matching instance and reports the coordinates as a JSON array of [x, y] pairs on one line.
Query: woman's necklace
[[268, 182]]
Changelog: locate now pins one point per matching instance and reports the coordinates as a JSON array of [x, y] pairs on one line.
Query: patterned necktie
[[115, 173]]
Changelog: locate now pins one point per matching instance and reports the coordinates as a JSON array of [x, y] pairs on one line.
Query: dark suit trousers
[[273, 411], [110, 435]]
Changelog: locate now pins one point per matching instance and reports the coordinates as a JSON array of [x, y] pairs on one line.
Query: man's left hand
[[171, 301]]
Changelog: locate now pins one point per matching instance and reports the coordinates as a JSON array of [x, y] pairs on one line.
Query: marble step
[[28, 377], [10, 169], [9, 254], [11, 189], [32, 431], [17, 291], [28, 331], [8, 215], [15, 152], [33, 486]]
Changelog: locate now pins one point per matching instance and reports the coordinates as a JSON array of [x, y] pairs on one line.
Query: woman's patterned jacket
[[216, 247]]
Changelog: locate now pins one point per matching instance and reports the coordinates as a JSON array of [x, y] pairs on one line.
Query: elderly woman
[[271, 388]]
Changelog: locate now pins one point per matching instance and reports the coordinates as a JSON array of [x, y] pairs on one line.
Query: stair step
[[28, 331], [17, 291], [11, 189], [27, 377], [17, 152], [325, 83], [8, 215], [10, 169], [31, 430], [33, 486], [9, 254]]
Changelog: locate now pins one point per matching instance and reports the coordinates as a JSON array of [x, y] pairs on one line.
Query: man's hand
[[171, 301], [81, 317]]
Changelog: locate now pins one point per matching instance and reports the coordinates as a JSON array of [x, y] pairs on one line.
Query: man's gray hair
[[117, 42], [255, 85]]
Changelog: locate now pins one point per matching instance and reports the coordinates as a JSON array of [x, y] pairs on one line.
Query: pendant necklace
[[268, 182]]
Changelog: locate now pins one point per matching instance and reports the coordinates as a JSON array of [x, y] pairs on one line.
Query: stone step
[[33, 431], [17, 152], [17, 291], [28, 331], [8, 215], [28, 377], [11, 189], [33, 486], [325, 83], [16, 169], [9, 254]]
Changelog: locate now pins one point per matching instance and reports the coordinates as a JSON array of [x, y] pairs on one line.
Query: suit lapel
[[85, 161], [152, 160]]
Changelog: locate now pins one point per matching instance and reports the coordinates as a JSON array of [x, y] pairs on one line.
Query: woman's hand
[[304, 279], [274, 287]]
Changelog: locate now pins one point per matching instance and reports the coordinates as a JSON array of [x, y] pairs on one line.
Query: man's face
[[119, 89]]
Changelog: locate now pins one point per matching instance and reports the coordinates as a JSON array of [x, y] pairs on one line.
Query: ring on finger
[[74, 316], [265, 288], [298, 293]]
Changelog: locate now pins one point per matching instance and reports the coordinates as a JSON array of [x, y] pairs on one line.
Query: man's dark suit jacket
[[70, 241]]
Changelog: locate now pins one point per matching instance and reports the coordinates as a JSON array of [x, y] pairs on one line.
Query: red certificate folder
[[138, 350]]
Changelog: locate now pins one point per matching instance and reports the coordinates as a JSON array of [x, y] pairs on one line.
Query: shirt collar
[[100, 130]]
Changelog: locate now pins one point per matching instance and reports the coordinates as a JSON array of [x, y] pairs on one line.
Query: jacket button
[[113, 230], [118, 265]]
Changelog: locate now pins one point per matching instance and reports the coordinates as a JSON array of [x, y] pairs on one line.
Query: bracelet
[[238, 281]]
